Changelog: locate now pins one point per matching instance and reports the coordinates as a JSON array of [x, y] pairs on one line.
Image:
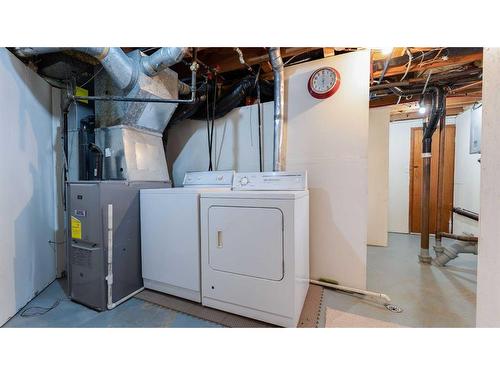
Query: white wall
[[467, 176], [329, 139], [27, 206], [488, 272], [399, 172], [235, 145], [378, 176]]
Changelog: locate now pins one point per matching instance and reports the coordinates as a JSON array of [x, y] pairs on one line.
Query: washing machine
[[170, 233], [255, 247]]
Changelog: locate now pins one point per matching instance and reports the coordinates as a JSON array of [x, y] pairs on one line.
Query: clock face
[[324, 82]]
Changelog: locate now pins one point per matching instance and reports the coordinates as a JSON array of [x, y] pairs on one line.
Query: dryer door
[[246, 241]]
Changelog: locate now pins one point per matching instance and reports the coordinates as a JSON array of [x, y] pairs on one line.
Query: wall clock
[[323, 83]]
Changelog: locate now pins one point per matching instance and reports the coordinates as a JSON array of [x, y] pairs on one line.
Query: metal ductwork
[[279, 103], [117, 64], [129, 131], [161, 59]]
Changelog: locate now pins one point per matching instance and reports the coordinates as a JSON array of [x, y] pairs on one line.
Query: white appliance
[[255, 247], [170, 233]]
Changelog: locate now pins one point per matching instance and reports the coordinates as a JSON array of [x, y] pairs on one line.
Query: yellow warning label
[[80, 91], [76, 228]]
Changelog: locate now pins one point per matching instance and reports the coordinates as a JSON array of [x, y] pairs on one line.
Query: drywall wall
[[467, 176], [235, 145], [488, 272], [399, 172], [329, 139], [378, 176], [27, 219]]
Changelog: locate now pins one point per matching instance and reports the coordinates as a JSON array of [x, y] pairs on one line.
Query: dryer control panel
[[296, 181], [212, 178]]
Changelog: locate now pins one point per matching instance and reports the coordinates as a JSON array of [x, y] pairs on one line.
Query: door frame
[[411, 183]]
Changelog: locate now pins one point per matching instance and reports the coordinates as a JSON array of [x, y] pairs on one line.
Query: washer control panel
[[270, 181], [212, 178]]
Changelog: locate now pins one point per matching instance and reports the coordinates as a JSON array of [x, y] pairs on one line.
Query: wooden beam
[[328, 51], [227, 59], [465, 59]]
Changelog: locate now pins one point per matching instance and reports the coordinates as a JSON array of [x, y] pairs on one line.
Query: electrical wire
[[410, 58], [257, 84], [214, 99], [91, 78], [208, 129], [40, 310]]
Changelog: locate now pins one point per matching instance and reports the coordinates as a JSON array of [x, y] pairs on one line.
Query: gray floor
[[132, 313], [430, 296]]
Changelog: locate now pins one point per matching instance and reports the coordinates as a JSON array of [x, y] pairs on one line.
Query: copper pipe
[[474, 84], [440, 184]]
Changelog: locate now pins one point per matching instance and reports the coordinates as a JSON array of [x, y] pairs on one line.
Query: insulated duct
[[279, 103]]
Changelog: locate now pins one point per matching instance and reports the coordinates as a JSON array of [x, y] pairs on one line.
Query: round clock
[[323, 83]]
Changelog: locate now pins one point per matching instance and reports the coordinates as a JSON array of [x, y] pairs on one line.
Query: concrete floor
[[132, 313], [430, 296]]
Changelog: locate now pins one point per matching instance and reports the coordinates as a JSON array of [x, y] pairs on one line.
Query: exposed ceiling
[[398, 75], [410, 70]]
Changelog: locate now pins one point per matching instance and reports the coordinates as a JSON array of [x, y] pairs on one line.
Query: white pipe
[[114, 304], [367, 293], [109, 278]]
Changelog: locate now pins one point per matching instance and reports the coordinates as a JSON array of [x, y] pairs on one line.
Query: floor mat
[[195, 309], [341, 319], [308, 319]]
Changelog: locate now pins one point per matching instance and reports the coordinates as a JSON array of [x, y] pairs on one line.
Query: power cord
[[40, 310]]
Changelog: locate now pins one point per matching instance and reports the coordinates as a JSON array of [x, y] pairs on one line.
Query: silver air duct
[[116, 63], [161, 59], [279, 100], [130, 132]]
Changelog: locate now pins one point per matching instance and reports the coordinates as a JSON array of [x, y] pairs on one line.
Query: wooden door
[[416, 179]]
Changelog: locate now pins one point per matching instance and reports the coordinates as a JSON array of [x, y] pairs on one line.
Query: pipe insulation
[[279, 103]]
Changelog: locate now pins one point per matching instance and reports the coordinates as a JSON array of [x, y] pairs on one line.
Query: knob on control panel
[[244, 181]]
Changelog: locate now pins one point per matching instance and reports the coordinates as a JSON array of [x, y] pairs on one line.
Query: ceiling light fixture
[[386, 50]]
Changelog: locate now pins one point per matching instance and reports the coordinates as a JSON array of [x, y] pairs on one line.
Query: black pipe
[[439, 104], [135, 100], [228, 102], [466, 213]]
